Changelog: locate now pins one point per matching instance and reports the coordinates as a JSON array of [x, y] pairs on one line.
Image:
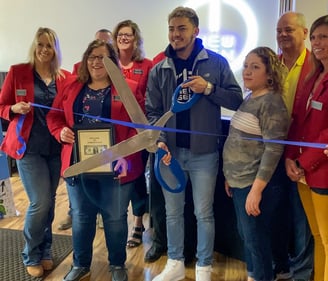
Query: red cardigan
[[19, 86], [57, 120], [310, 125]]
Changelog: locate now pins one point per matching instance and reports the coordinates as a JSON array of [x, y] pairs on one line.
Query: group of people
[[287, 98]]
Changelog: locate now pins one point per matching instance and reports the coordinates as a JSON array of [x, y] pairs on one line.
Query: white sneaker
[[174, 270], [203, 273]]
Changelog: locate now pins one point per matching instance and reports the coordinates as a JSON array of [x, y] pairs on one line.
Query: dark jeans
[[106, 196], [281, 220], [256, 233], [292, 242]]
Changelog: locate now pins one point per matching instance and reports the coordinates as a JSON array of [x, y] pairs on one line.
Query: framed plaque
[[93, 140]]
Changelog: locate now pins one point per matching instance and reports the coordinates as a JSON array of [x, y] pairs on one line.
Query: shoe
[[66, 223], [174, 270], [78, 274], [35, 270], [47, 264], [100, 221], [154, 253], [203, 273], [119, 273], [135, 239]]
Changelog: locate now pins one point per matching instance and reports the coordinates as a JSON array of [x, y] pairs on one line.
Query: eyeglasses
[[93, 58], [127, 35], [318, 37]]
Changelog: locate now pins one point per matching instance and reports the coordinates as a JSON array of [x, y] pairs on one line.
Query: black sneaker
[[119, 273], [78, 274]]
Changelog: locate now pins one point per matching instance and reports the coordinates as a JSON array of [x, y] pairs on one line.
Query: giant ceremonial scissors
[[144, 139]]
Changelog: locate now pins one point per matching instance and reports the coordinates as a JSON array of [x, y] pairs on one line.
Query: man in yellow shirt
[[292, 242]]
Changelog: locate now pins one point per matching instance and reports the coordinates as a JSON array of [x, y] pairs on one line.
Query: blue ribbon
[[19, 137], [166, 129]]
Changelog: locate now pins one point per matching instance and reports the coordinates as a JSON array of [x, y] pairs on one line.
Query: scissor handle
[[181, 106], [175, 170]]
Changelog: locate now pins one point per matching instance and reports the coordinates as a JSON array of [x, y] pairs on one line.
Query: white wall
[[76, 21], [312, 10]]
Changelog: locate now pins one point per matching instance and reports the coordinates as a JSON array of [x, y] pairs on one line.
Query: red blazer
[[19, 86], [310, 125], [139, 73], [306, 68], [57, 120], [76, 68]]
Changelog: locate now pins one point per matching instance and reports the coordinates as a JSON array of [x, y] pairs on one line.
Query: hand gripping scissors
[[144, 139]]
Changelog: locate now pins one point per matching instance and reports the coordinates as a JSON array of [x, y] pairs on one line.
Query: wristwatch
[[209, 88]]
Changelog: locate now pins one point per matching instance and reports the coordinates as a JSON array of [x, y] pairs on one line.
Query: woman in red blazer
[[29, 141], [128, 43], [309, 166], [92, 93]]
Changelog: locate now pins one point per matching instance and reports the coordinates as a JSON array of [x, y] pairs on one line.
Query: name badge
[[21, 92], [137, 71], [316, 105], [116, 98]]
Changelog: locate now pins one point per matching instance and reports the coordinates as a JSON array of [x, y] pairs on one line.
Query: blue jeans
[[40, 177], [202, 170], [104, 195], [256, 233]]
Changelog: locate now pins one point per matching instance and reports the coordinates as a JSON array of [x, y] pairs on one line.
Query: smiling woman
[[38, 156], [92, 93]]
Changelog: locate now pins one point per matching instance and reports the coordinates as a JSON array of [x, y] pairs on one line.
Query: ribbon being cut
[[170, 177]]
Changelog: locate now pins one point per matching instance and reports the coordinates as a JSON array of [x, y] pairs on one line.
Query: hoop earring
[[270, 82]]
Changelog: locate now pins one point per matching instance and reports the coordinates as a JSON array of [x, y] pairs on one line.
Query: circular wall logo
[[231, 29]]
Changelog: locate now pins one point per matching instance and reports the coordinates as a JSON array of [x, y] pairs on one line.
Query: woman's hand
[[67, 135], [253, 200], [121, 167], [21, 107]]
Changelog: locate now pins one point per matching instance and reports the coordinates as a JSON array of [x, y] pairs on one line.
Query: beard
[[185, 46]]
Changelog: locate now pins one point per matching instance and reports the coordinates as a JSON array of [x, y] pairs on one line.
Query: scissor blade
[[122, 149], [128, 99]]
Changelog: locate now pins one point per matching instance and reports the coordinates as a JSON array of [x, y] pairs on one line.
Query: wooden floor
[[224, 268]]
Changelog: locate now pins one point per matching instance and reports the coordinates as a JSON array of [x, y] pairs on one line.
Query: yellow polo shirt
[[291, 82]]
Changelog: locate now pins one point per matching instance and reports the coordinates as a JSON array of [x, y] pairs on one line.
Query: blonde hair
[[316, 64], [54, 42]]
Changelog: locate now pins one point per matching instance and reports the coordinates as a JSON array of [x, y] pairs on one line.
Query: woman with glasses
[[129, 46], [29, 141], [90, 94]]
